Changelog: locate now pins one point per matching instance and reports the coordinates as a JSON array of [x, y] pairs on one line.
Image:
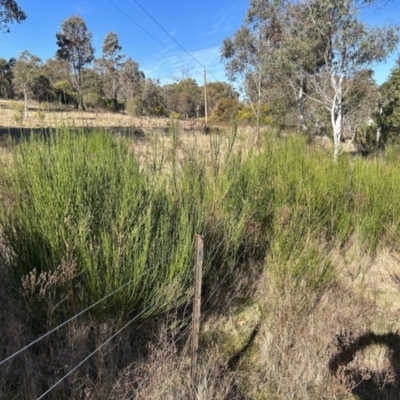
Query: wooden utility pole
[[198, 267], [205, 94]]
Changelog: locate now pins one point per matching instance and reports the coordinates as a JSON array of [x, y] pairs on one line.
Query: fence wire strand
[[84, 311], [95, 351]]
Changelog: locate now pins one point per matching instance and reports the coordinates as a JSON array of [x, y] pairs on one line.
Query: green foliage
[[26, 73], [157, 111], [64, 92], [41, 89], [6, 76], [175, 116], [134, 107], [41, 116], [247, 114], [225, 109], [18, 112], [10, 12], [152, 98], [82, 199], [92, 100], [74, 43], [365, 139], [388, 117], [110, 66]]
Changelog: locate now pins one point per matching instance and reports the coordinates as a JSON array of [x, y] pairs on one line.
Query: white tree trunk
[[337, 114], [300, 109], [378, 131]]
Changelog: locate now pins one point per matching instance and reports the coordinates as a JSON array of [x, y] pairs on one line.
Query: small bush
[[134, 107], [366, 139], [246, 114], [41, 116], [225, 109], [92, 100], [175, 115], [19, 110]]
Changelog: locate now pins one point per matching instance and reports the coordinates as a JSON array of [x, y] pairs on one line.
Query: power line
[[187, 52], [148, 33], [195, 59], [94, 352]]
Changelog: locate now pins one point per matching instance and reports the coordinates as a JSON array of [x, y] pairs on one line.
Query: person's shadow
[[367, 384]]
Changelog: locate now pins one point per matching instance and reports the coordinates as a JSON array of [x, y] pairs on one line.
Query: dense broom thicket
[[81, 217]]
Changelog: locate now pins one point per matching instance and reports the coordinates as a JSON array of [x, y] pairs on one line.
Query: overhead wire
[[148, 33], [191, 55], [187, 52]]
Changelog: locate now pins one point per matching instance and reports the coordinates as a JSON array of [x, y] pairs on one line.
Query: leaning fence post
[[198, 267]]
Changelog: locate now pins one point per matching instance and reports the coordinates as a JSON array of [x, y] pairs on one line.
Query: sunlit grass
[[84, 197]]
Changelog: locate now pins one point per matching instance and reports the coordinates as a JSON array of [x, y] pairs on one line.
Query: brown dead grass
[[91, 118]]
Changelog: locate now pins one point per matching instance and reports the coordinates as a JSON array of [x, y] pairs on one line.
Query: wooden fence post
[[198, 267]]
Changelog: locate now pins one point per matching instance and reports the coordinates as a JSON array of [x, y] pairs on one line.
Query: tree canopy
[[75, 46], [10, 12]]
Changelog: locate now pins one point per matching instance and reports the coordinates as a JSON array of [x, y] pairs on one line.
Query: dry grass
[[289, 356], [72, 117], [151, 135], [55, 116]]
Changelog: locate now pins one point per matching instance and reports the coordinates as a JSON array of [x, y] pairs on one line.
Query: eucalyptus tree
[[26, 70], [56, 70], [387, 115], [350, 48], [6, 77], [10, 12], [250, 55], [110, 66], [184, 96], [132, 80], [152, 97], [299, 56], [75, 46]]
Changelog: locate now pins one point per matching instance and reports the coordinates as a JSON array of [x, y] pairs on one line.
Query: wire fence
[[95, 351], [183, 329], [82, 312]]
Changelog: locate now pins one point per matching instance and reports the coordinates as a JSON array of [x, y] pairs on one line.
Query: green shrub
[[64, 93], [76, 199], [225, 109], [174, 115], [19, 111], [134, 107], [92, 100]]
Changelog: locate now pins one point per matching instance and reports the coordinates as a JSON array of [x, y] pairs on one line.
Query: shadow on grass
[[367, 384], [234, 361], [7, 135]]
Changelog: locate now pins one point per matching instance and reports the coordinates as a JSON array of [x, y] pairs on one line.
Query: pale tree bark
[[26, 69], [351, 49], [299, 94], [337, 116]]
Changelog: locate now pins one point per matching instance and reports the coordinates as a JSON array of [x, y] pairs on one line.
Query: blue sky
[[199, 26]]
